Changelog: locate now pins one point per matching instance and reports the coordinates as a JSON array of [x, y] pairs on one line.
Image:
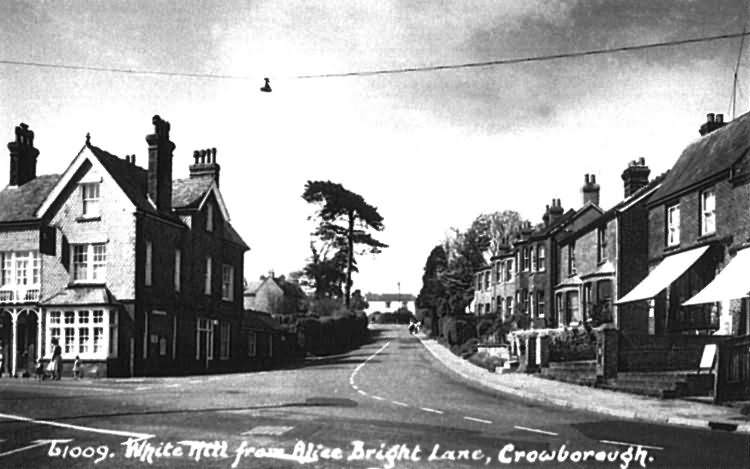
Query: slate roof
[[20, 203], [81, 295], [389, 297], [252, 287], [609, 214], [188, 193], [707, 157]]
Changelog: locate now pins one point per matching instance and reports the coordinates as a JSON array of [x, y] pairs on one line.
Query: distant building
[[389, 302], [275, 296]]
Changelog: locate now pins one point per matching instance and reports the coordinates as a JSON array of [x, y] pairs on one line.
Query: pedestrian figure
[[56, 361], [41, 374], [77, 368]]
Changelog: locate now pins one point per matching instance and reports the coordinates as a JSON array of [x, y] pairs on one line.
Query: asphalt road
[[388, 405]]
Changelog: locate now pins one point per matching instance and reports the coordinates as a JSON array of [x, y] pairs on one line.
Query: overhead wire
[[389, 71]]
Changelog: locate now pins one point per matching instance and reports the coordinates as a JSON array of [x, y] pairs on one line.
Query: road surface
[[388, 405]]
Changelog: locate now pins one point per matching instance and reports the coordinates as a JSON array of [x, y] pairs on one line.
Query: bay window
[[82, 332]]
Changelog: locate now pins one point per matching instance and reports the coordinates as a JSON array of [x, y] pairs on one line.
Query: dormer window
[[209, 217], [90, 195]]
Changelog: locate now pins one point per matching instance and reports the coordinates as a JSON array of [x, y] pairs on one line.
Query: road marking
[[477, 420], [143, 388], [359, 367], [622, 443], [36, 444], [194, 381], [402, 404], [378, 398], [535, 430], [21, 418], [427, 409], [267, 430], [361, 392], [176, 385]]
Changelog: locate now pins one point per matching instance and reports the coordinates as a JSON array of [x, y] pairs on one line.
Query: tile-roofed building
[[389, 302], [131, 270], [699, 220]]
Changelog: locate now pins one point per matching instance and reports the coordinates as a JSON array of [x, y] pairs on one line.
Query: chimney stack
[[160, 150], [635, 176], [590, 190], [555, 211], [205, 164], [22, 156], [545, 217], [713, 122]]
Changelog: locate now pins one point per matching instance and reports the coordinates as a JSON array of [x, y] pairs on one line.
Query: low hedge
[[332, 334]]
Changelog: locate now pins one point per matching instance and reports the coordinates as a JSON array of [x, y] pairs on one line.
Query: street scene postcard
[[375, 234]]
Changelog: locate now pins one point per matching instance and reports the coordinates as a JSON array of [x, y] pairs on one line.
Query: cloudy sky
[[431, 150]]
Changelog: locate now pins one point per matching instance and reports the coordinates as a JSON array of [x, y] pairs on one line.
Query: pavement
[[677, 412]]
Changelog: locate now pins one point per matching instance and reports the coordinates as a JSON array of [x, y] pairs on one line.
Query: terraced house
[[130, 270]]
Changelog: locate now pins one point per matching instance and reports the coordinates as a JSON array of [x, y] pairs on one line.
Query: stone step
[[655, 379], [646, 390], [574, 365]]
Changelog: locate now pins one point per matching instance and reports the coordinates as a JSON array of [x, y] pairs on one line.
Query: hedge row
[[332, 334]]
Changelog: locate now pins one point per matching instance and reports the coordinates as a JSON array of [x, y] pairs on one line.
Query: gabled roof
[[707, 157], [642, 193], [188, 193], [20, 203]]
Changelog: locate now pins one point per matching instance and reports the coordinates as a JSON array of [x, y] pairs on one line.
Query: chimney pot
[[642, 161], [719, 118], [710, 117]]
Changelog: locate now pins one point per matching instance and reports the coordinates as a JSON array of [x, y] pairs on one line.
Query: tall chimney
[[22, 156], [635, 176], [160, 150], [590, 190], [712, 123], [555, 211], [205, 164], [545, 217]]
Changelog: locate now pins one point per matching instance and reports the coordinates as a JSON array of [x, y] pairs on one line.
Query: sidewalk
[[617, 404]]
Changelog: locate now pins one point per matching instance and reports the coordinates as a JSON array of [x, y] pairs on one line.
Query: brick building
[[521, 279], [699, 222], [609, 255], [132, 271], [276, 296]]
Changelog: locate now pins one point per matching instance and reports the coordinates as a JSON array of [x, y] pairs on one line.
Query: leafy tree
[[344, 220], [358, 302], [325, 271]]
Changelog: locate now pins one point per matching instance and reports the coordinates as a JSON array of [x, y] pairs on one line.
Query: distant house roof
[[20, 203], [290, 289], [389, 297], [707, 157]]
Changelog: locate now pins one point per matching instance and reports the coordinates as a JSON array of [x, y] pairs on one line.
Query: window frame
[[703, 228], [209, 217], [227, 287], [88, 201], [89, 264], [601, 244], [97, 343], [177, 270], [207, 276], [672, 228]]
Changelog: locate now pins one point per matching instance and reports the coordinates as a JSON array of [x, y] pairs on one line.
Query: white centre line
[[535, 430], [623, 443], [402, 404], [478, 420], [36, 444], [378, 398], [427, 409], [105, 431]]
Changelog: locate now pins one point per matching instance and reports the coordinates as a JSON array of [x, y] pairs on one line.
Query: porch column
[[14, 340], [39, 334]]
